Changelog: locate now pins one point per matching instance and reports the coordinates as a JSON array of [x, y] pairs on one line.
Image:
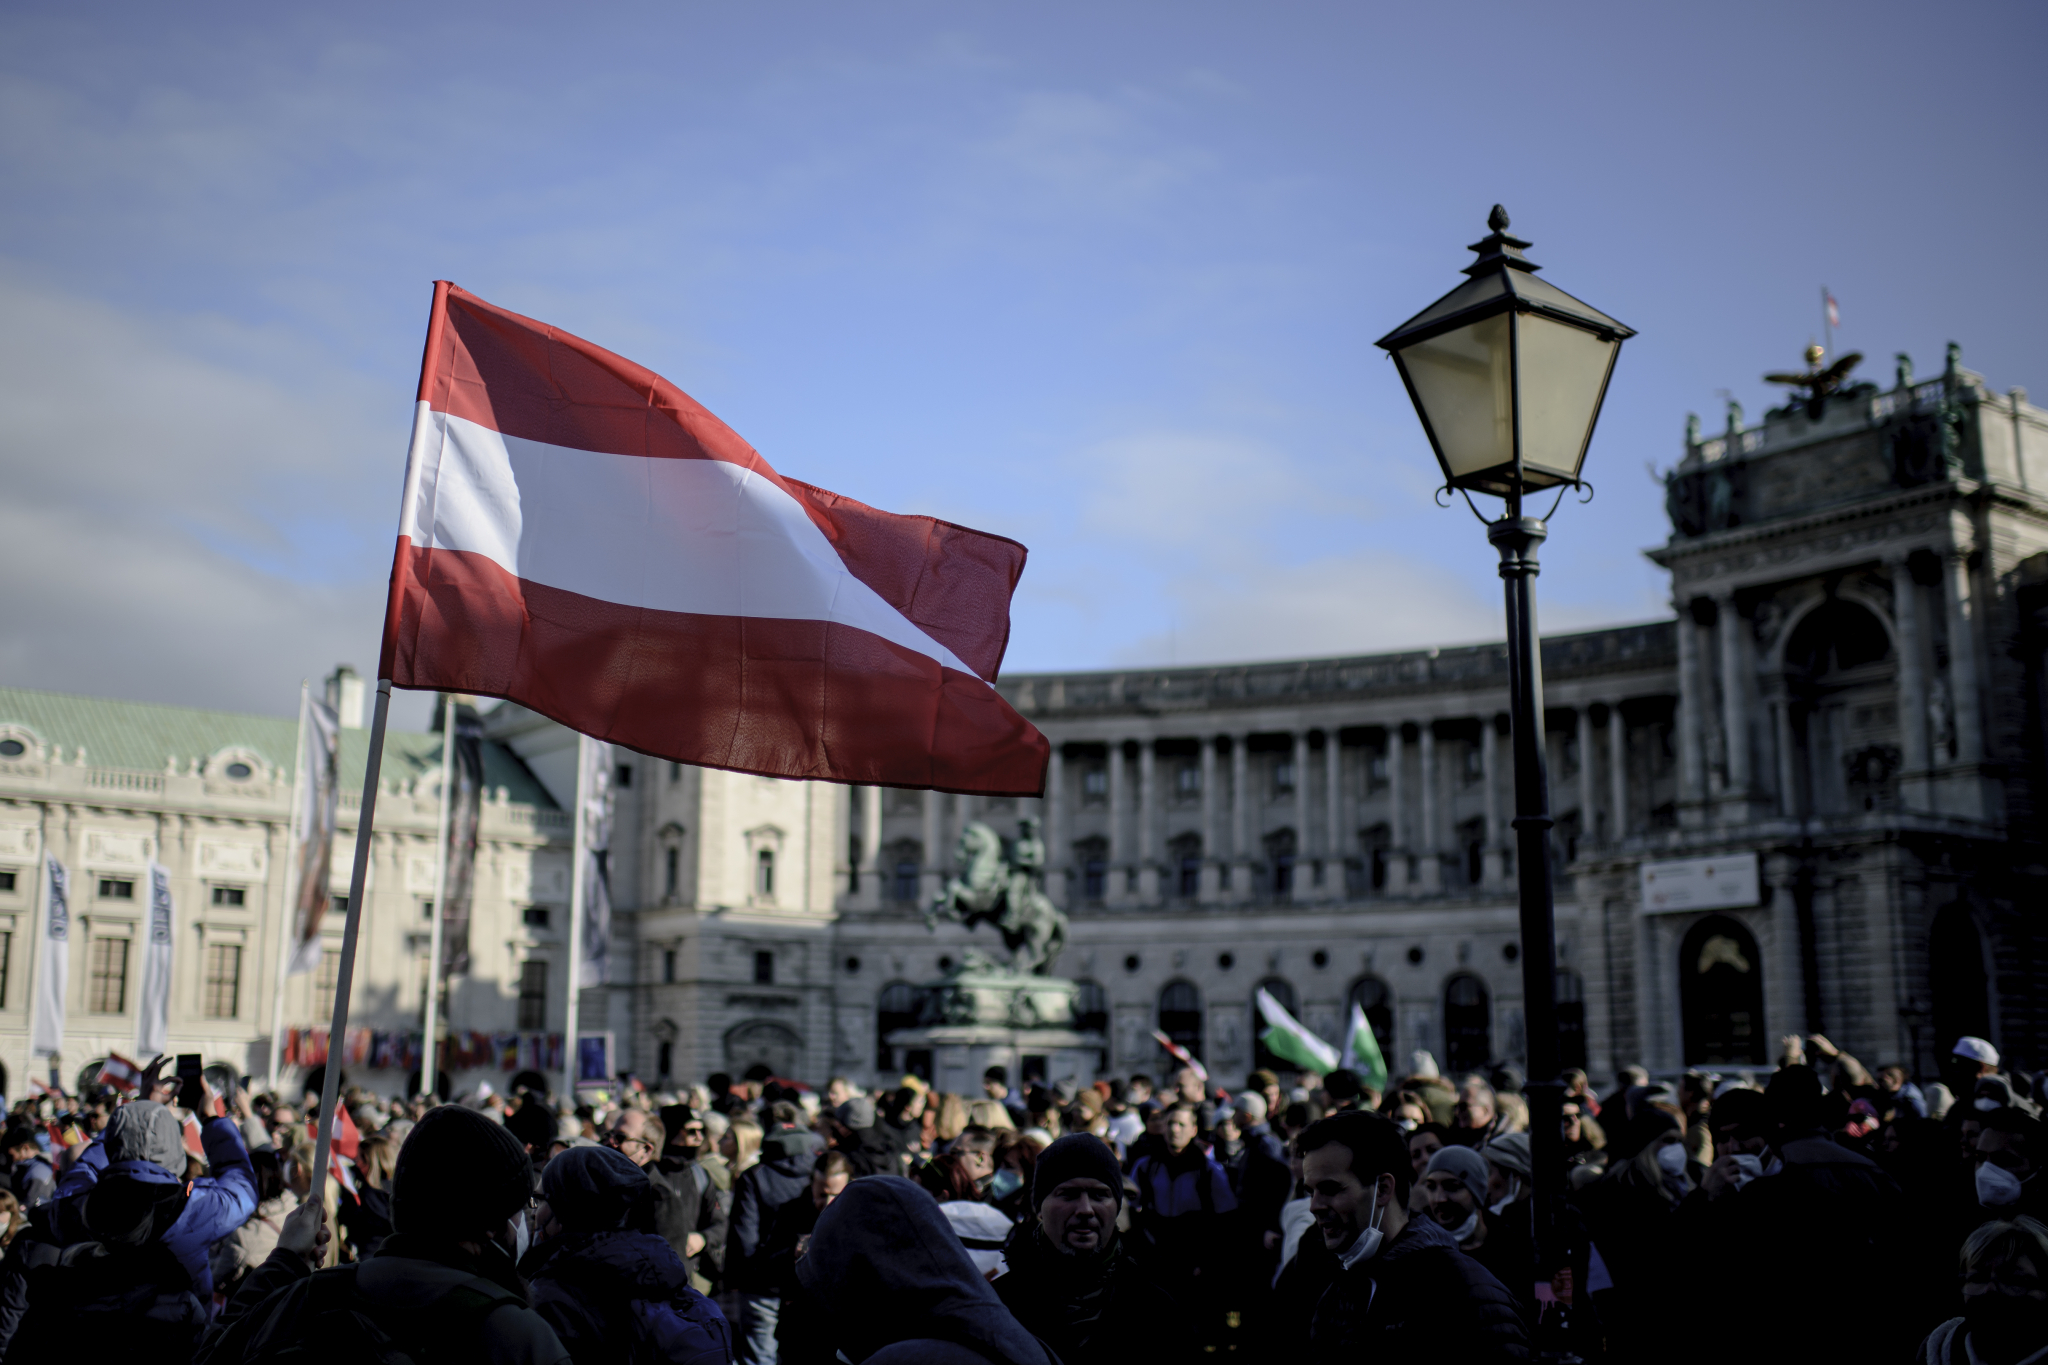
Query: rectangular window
[[1283, 776], [764, 969], [427, 911], [116, 889], [326, 980], [6, 881], [671, 872], [664, 1057], [1095, 786], [533, 995], [764, 874], [624, 775], [223, 985], [904, 888], [668, 966], [6, 961], [229, 895], [534, 917], [106, 970], [1188, 781], [675, 773], [1094, 878], [338, 904]]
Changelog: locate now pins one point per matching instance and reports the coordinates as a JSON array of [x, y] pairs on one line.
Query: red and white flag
[[120, 1073], [1182, 1055], [580, 536]]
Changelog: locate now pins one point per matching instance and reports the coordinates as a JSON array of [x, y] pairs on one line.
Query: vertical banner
[[595, 968], [153, 1023], [319, 797], [47, 1038], [465, 811]]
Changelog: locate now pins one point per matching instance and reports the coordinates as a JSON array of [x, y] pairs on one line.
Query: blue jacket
[[34, 1181], [625, 1296], [216, 1205]]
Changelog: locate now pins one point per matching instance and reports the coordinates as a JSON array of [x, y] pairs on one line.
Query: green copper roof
[[145, 736]]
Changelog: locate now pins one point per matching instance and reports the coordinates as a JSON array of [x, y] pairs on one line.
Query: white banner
[[596, 814], [319, 795], [153, 1023], [1728, 882], [46, 1039]]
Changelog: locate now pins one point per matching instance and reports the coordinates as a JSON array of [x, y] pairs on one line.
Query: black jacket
[[1094, 1310], [621, 1295], [685, 1201], [1420, 1298], [783, 1173]]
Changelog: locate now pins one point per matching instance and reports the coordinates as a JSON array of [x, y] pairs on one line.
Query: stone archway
[[763, 1042], [1721, 994]]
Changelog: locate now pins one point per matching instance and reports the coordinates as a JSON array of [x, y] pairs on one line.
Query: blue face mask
[[1004, 1183]]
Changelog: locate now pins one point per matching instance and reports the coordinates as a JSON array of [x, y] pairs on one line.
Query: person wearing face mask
[[1629, 1214], [1401, 1289], [1071, 1281], [2004, 1297], [2009, 1157], [444, 1285]]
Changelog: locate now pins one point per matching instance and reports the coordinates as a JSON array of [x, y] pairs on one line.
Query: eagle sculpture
[[1819, 384]]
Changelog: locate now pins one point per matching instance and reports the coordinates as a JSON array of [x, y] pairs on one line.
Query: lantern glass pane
[[1462, 381], [1563, 371]]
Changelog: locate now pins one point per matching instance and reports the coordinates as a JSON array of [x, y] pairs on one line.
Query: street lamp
[[1507, 373]]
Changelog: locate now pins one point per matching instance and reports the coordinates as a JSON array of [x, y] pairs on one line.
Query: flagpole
[[330, 1089], [38, 964], [1827, 324], [578, 852], [294, 885], [428, 1050]]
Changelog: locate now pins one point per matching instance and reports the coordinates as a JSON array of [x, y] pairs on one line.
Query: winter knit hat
[[593, 1189], [146, 1131], [1510, 1152], [1077, 1156], [1464, 1163], [459, 1174]]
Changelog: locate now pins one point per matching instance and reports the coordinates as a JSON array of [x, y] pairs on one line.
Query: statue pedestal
[[973, 1020]]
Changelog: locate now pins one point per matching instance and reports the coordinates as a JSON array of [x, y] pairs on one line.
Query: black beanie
[[459, 1174], [1073, 1157]]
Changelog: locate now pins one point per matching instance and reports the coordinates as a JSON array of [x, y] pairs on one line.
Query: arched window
[[1280, 861], [1091, 1007], [1373, 996], [898, 1007], [1180, 1015], [1184, 865], [1571, 1019], [1721, 994], [1468, 1024], [1283, 995], [1955, 968]]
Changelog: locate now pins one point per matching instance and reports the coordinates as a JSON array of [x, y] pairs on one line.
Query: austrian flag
[[579, 536]]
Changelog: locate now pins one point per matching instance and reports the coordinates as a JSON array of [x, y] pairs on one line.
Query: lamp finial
[[1498, 219], [1498, 248]]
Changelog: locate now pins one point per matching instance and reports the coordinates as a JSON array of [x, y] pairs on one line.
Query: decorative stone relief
[[105, 848], [218, 858]]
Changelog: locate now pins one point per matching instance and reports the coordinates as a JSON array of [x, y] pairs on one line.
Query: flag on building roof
[[1834, 310], [582, 537], [1286, 1038], [1362, 1051]]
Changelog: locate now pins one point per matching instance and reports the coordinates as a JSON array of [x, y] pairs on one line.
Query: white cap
[[1977, 1050]]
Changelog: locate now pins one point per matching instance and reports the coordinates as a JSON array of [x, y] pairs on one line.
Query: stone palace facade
[[1835, 752]]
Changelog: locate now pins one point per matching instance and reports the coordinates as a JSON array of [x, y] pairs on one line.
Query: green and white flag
[[1362, 1051], [1285, 1037]]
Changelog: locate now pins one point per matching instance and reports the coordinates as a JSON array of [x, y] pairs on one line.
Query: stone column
[[931, 868], [1489, 768], [871, 842], [1119, 845], [1397, 811], [1692, 776], [1734, 706], [1617, 774], [1912, 687], [1333, 820], [1240, 819], [1148, 821], [1788, 759], [1962, 658], [1430, 842], [1589, 784], [1212, 834], [1059, 852], [1303, 848]]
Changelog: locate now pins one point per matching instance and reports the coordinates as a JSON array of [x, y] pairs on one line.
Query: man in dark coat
[[611, 1289], [1071, 1282], [1402, 1290], [802, 1337], [783, 1173], [690, 1210]]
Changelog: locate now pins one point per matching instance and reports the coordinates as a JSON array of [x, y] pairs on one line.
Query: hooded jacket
[[897, 1288], [783, 1172], [215, 1206], [1091, 1310], [1420, 1298]]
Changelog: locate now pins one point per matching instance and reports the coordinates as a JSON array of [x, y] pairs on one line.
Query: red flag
[[120, 1073], [347, 1140], [1834, 311], [192, 1142], [580, 536], [1182, 1055]]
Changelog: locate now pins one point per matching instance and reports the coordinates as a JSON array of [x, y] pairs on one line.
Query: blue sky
[[1101, 278]]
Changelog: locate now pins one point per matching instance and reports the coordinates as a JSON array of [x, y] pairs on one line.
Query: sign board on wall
[[1728, 882]]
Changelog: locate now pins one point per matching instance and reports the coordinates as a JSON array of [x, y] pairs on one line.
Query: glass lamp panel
[[1462, 381], [1563, 371]]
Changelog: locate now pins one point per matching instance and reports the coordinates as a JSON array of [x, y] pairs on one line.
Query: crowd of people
[[1820, 1209]]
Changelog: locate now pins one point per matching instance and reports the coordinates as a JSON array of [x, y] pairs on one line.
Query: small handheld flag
[[1362, 1051]]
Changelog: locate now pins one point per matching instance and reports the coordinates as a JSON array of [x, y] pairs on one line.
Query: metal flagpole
[[373, 767], [1827, 323], [294, 890], [579, 853], [428, 1040]]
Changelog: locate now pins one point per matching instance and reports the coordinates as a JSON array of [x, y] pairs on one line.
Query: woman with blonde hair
[[991, 1115], [952, 1119], [741, 1146]]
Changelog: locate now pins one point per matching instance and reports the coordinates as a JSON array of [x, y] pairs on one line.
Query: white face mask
[[1997, 1187], [1750, 1167], [1466, 1228], [1367, 1244], [1514, 1193], [1671, 1158], [522, 1236]]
